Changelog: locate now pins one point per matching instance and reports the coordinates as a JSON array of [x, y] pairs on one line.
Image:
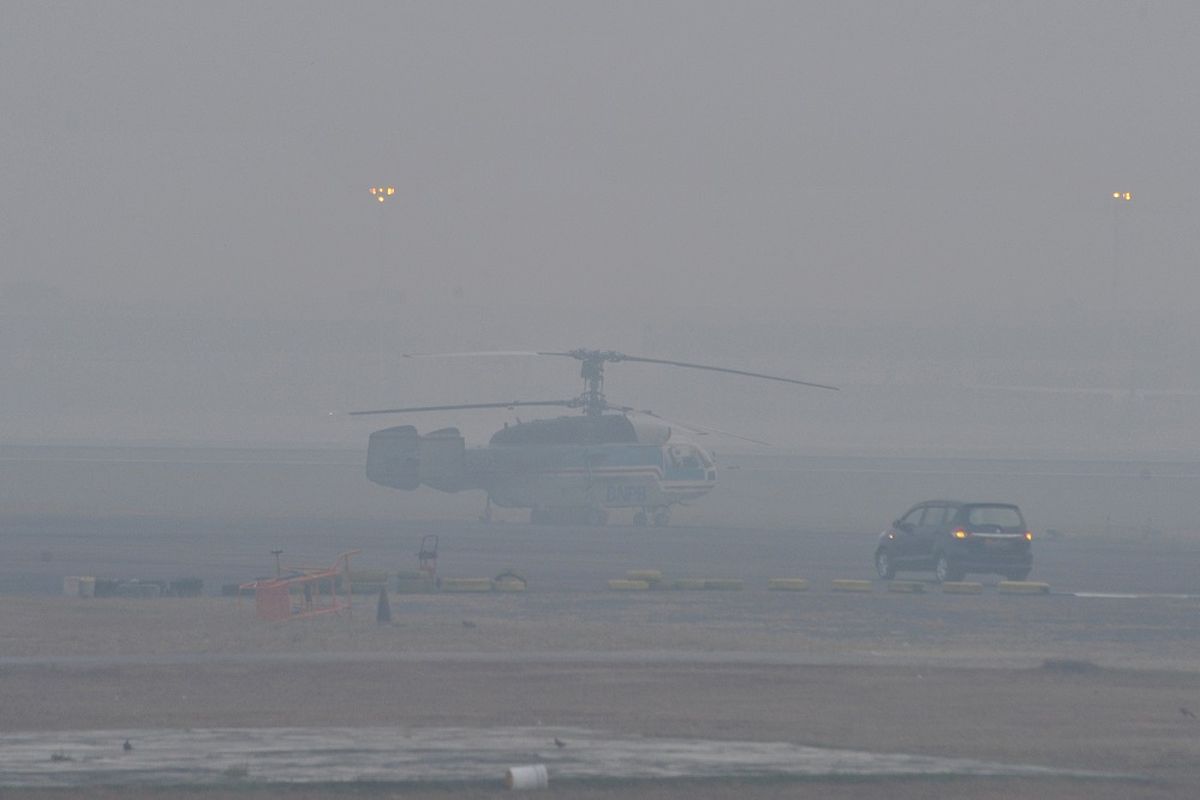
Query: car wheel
[[884, 565], [1017, 575], [946, 570]]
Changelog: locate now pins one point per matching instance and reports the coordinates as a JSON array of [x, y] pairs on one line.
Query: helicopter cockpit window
[[686, 457]]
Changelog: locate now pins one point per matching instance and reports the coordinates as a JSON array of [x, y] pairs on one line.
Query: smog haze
[[911, 200]]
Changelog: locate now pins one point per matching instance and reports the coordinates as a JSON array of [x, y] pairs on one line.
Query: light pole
[[381, 194], [1123, 355], [1119, 199]]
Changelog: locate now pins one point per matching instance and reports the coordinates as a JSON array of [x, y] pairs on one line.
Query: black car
[[953, 538]]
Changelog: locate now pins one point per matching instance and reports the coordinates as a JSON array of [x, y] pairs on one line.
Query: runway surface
[[769, 489]]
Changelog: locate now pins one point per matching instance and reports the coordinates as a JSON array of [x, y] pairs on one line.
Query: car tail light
[[960, 534]]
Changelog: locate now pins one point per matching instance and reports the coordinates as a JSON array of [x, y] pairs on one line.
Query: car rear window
[[1000, 516]]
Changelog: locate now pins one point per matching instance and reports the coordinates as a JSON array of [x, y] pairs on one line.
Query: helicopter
[[566, 469]]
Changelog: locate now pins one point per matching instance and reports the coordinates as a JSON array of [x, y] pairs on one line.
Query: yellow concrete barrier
[[906, 587], [406, 574], [509, 585], [364, 581], [1023, 587], [467, 584], [842, 585], [619, 585], [787, 585], [962, 587]]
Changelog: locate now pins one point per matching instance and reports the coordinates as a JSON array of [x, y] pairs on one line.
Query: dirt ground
[[1064, 681], [75, 664], [1112, 721]]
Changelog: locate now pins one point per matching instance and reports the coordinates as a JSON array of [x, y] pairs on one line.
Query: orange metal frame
[[316, 588]]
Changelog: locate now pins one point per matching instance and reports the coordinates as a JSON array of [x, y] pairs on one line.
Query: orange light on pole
[[1121, 198]]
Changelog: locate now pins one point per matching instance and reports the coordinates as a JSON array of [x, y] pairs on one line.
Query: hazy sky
[[865, 156]]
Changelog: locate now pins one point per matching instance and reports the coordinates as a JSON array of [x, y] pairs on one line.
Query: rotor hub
[[592, 371]]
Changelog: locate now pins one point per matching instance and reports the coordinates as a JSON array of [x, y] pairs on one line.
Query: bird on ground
[[127, 746], [1187, 712], [559, 743]]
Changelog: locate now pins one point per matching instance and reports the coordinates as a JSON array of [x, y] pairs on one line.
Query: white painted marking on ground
[[1127, 596], [403, 755]]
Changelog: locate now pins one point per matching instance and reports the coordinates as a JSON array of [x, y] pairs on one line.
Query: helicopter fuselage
[[594, 476], [551, 466]]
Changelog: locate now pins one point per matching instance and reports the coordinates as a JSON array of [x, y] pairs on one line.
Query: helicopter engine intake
[[393, 457], [400, 458]]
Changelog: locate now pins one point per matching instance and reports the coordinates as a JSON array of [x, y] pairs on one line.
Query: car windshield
[[998, 516]]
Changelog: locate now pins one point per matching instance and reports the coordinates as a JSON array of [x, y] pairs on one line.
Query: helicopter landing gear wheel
[[639, 519], [662, 516]]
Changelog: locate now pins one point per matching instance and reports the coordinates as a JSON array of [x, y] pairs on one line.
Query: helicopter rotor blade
[[623, 357], [614, 357], [469, 406], [474, 354]]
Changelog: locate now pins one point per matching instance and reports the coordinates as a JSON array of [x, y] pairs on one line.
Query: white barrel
[[533, 776]]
